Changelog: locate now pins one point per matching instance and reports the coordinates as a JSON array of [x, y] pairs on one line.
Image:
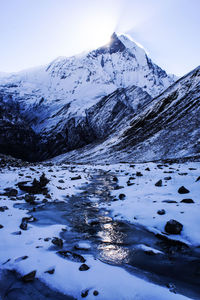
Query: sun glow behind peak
[[97, 32]]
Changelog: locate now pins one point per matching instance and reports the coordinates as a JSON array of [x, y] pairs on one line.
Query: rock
[[130, 183], [95, 293], [30, 199], [182, 174], [173, 227], [3, 208], [147, 169], [183, 190], [198, 179], [1, 226], [61, 181], [122, 196], [167, 178], [169, 201], [17, 233], [51, 271], [24, 223], [158, 183], [187, 201], [72, 256], [84, 267], [76, 177], [84, 294], [21, 258], [115, 179], [29, 277], [139, 174], [161, 212], [57, 241], [119, 187], [10, 192]]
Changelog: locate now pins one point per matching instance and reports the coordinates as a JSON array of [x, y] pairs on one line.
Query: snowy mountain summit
[[57, 101]]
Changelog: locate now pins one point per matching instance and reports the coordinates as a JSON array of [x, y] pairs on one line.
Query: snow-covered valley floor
[[98, 232]]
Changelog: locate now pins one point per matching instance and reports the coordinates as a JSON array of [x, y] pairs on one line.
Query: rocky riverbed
[[124, 231]]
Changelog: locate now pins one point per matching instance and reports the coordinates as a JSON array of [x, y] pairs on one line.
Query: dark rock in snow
[[95, 293], [167, 178], [76, 177], [1, 226], [122, 196], [183, 190], [139, 174], [169, 201], [29, 277], [161, 212], [72, 256], [173, 227], [84, 267], [187, 201], [159, 183], [3, 208], [198, 179], [84, 294], [57, 241], [51, 271]]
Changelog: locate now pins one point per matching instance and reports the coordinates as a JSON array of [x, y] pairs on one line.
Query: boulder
[[173, 227]]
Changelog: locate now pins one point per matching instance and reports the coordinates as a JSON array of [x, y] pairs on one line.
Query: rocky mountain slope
[[78, 100], [167, 128]]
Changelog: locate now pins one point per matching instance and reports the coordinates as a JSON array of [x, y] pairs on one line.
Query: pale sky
[[34, 32]]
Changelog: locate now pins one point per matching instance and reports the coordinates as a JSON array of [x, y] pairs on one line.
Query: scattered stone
[[118, 187], [130, 183], [158, 183], [192, 169], [167, 178], [51, 271], [29, 277], [183, 190], [187, 201], [24, 223], [72, 256], [57, 241], [21, 258], [30, 199], [198, 179], [84, 294], [3, 208], [182, 174], [169, 201], [47, 239], [10, 192], [122, 196], [95, 293], [61, 181], [84, 267], [76, 177], [17, 232], [115, 179], [139, 174], [147, 169], [1, 226], [161, 212], [173, 227]]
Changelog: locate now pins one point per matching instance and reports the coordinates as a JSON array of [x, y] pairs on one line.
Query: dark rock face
[[173, 227]]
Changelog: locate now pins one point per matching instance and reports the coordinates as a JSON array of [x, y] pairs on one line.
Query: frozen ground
[[58, 213]]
